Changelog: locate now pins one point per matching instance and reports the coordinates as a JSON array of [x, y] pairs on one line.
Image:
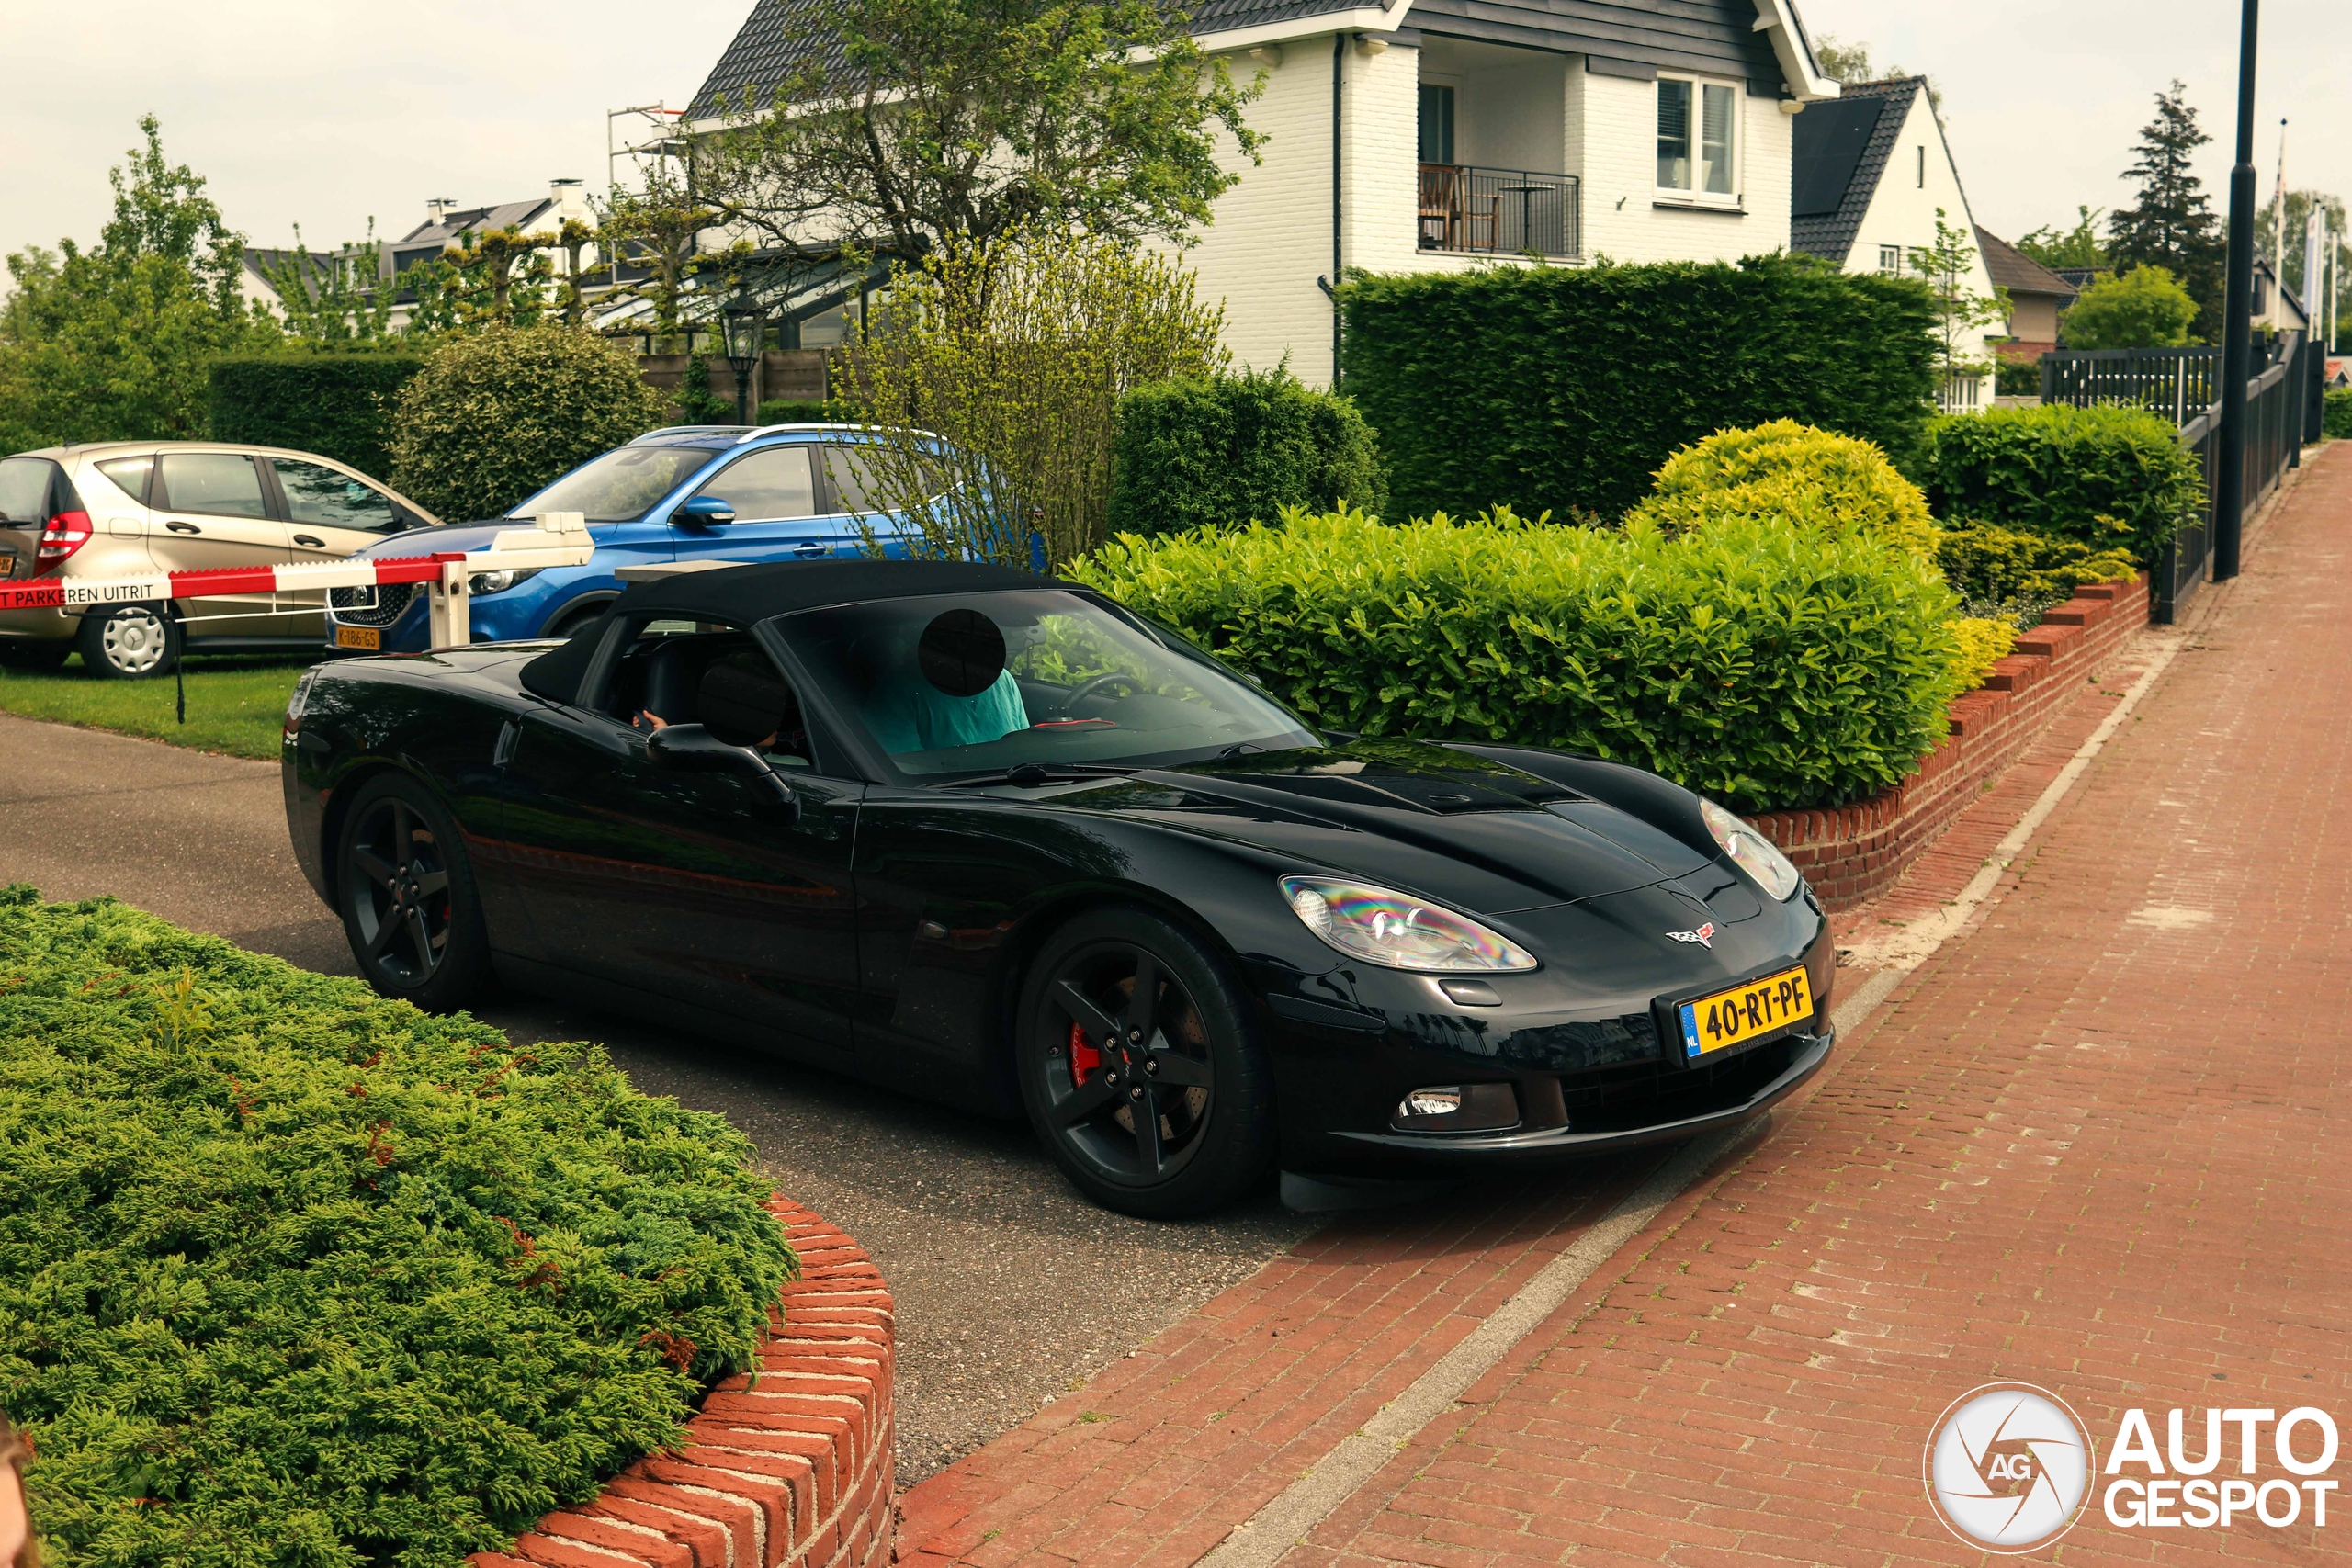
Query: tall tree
[[910, 126], [2172, 224], [2078, 246], [116, 342]]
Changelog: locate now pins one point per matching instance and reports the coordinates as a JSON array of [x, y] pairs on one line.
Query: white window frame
[[1734, 200], [1890, 260]]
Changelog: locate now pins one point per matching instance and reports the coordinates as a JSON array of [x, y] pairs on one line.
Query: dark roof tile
[[1830, 143]]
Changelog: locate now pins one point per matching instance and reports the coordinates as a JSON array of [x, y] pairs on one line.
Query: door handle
[[811, 549], [307, 540], [184, 527]]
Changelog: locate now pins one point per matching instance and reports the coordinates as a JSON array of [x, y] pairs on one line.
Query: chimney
[[570, 196], [438, 208]]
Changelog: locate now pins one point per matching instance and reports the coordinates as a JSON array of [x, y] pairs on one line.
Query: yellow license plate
[[1730, 1018], [367, 637]]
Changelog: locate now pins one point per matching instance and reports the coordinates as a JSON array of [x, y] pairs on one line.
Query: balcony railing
[[1498, 211]]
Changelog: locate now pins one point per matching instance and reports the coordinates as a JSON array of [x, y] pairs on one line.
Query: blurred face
[[13, 1526]]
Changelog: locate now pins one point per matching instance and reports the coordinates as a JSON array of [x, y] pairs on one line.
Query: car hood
[[449, 537], [1485, 836]]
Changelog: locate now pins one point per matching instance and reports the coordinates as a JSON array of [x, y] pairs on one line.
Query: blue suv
[[795, 493]]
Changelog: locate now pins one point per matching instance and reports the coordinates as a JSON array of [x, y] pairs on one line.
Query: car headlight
[[500, 581], [1750, 850], [1397, 931]]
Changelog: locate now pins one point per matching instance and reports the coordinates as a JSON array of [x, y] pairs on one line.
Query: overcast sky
[[326, 115]]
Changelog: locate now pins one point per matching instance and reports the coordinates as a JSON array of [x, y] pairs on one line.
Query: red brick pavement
[[2099, 1143], [2048, 1160]]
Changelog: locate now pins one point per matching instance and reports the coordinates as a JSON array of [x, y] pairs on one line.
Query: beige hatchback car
[[136, 508]]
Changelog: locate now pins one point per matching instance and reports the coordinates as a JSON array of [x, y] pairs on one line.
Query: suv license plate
[[367, 637], [1743, 1013]]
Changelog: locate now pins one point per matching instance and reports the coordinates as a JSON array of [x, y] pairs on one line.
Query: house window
[[1437, 124], [1697, 136], [1890, 258]]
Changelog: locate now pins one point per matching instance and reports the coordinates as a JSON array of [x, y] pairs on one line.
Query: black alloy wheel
[[409, 908], [1139, 1070]]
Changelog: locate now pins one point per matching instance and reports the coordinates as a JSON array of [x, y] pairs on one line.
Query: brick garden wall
[[1852, 853], [793, 1472]]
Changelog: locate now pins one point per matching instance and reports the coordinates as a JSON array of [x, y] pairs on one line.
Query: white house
[[1439, 134], [1870, 173]]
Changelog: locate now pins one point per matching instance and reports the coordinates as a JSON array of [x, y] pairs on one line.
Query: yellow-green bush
[[1766, 664], [1783, 469], [1985, 642], [1989, 563]]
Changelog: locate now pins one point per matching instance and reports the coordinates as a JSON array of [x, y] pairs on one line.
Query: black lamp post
[[2237, 324], [743, 323]]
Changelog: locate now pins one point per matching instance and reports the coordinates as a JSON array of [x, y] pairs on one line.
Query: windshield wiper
[[1029, 775]]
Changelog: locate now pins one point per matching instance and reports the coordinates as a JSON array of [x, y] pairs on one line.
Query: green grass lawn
[[234, 704]]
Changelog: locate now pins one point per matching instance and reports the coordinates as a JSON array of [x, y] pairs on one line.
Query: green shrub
[[1552, 388], [291, 1274], [495, 414], [1765, 664], [1795, 472], [697, 404], [1985, 642], [1193, 453], [2017, 377], [338, 405], [1987, 562], [2068, 472], [2336, 414], [2145, 307], [786, 411]]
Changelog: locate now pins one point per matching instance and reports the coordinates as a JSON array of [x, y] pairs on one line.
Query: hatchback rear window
[[25, 490]]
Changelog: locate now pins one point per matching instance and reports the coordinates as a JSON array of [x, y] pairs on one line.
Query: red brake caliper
[[1083, 1057]]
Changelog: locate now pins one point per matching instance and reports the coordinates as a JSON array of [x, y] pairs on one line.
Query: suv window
[[316, 493], [217, 484], [766, 487], [23, 489], [129, 475]]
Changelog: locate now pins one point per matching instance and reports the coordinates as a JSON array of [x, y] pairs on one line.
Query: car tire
[[129, 642], [24, 654], [1198, 1066], [567, 625], [406, 893]]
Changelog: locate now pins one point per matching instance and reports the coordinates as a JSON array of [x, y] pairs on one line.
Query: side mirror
[[705, 511], [691, 749]]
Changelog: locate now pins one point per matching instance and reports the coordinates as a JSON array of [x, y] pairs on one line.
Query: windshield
[[974, 683], [621, 486]]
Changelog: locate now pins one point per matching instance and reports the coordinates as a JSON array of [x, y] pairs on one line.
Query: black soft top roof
[[743, 594]]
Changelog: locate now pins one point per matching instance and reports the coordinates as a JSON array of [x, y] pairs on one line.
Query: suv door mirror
[[705, 511]]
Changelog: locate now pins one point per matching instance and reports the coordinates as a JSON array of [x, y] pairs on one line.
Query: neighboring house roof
[[2012, 269], [1763, 41], [1839, 150], [477, 220]]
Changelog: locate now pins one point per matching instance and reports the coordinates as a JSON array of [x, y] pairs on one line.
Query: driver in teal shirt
[[907, 713]]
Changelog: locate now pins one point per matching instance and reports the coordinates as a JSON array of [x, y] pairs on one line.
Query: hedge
[[497, 414], [1549, 388], [2105, 476], [2336, 413], [1987, 562], [338, 405], [788, 411], [1236, 448], [289, 1273], [1792, 471], [1768, 665]]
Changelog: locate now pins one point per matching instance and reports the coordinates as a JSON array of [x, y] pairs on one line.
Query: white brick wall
[[1272, 237]]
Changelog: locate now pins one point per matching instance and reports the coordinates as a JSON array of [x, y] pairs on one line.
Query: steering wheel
[[1099, 682]]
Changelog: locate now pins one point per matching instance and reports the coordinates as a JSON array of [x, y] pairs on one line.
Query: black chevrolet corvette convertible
[[998, 840]]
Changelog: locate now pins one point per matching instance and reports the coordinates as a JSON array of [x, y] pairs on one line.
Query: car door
[[691, 888], [773, 491], [329, 515], [209, 510]]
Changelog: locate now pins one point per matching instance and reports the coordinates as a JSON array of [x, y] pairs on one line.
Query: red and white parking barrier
[[559, 539]]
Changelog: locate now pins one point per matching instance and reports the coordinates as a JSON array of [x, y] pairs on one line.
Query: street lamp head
[[743, 322]]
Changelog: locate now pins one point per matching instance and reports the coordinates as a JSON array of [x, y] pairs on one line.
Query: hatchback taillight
[[60, 536]]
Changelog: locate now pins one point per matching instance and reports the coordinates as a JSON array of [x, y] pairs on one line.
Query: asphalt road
[[1010, 1287]]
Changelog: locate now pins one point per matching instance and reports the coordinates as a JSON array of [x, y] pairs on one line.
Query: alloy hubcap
[[1127, 1068], [399, 890]]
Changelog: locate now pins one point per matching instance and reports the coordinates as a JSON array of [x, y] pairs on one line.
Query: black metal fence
[[2180, 383], [1499, 211], [2277, 402]]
